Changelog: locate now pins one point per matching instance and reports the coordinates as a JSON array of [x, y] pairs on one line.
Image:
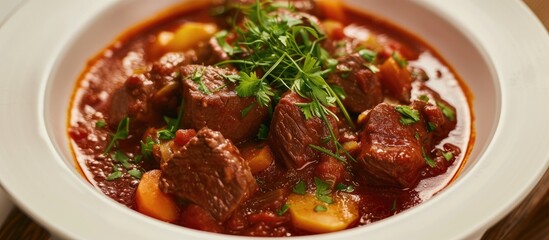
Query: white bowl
[[46, 44]]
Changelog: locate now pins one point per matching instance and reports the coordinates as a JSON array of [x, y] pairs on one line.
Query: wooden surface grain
[[530, 220]]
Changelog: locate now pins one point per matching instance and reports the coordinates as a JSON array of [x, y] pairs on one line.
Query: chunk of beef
[[393, 152], [440, 113], [208, 53], [361, 86], [291, 134], [209, 172], [211, 101], [146, 97]]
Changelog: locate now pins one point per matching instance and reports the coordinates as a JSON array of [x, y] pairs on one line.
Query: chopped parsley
[[402, 63], [408, 115], [368, 55], [116, 174], [122, 132], [448, 155], [100, 123], [282, 209], [286, 49], [424, 98], [221, 40], [428, 158], [263, 132], [447, 111], [300, 188], [320, 208], [122, 159], [136, 173], [171, 125], [431, 126], [147, 148], [323, 191], [342, 187], [246, 110], [197, 78]]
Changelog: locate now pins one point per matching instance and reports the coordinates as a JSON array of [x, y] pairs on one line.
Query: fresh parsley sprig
[[122, 132], [171, 125], [284, 46]]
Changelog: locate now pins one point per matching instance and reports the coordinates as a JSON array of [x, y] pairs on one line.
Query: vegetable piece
[[396, 79], [185, 37], [307, 213], [258, 157], [333, 29], [183, 136], [151, 201]]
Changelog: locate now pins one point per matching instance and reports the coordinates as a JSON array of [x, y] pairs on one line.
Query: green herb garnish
[[282, 209], [431, 126], [300, 188], [408, 115], [427, 158], [322, 191], [447, 111], [367, 55], [246, 110], [263, 132], [116, 174], [448, 155], [100, 123], [424, 98], [171, 125], [342, 187], [136, 173], [402, 63], [320, 208], [122, 158], [286, 49], [147, 148], [197, 78], [122, 132]]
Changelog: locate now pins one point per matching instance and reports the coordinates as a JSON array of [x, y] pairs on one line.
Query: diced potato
[[373, 44], [258, 157], [185, 37], [338, 216], [151, 201], [332, 9]]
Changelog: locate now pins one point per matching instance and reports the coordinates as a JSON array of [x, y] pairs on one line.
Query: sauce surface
[[92, 130]]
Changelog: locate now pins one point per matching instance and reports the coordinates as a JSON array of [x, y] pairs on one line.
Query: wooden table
[[530, 220]]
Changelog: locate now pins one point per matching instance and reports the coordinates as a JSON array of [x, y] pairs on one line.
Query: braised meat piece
[[211, 101], [207, 53], [209, 172], [440, 113], [361, 86], [146, 97], [395, 147], [291, 134]]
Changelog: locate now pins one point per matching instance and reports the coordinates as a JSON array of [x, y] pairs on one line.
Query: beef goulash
[[270, 118]]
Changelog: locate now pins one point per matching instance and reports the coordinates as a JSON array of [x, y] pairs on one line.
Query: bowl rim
[[508, 70]]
